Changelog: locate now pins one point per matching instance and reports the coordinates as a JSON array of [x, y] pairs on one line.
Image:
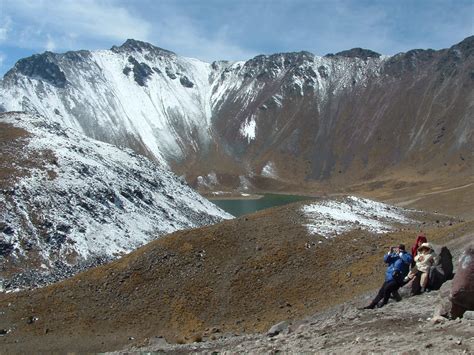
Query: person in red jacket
[[419, 240]]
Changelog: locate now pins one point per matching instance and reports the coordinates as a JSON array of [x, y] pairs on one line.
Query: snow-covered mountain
[[68, 198], [290, 117], [162, 104]]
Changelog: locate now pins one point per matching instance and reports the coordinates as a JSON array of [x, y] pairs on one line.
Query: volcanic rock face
[[344, 117], [67, 198], [43, 68]]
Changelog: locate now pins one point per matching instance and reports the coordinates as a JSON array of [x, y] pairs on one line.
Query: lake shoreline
[[233, 197], [238, 205]]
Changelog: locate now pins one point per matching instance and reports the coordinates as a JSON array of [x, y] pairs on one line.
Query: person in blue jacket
[[398, 261]]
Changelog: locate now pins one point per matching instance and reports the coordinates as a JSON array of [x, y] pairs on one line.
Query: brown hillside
[[238, 276], [414, 117]]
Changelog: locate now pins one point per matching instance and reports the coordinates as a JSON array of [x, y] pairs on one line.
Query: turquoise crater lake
[[239, 207]]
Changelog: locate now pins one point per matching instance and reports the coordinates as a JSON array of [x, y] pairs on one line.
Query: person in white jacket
[[424, 259]]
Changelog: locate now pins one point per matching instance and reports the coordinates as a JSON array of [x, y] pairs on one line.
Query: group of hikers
[[426, 270]]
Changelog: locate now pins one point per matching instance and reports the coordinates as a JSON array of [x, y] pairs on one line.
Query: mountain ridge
[[467, 44], [313, 119]]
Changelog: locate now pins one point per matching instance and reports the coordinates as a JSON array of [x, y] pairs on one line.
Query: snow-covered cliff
[[159, 103], [66, 197]]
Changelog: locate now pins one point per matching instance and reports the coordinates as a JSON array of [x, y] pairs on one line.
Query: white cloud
[[5, 24], [50, 44], [73, 24], [178, 33], [66, 24], [211, 30]]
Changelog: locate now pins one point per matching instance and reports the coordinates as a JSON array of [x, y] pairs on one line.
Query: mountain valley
[[109, 244]]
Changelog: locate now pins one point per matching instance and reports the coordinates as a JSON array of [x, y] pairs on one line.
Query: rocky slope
[[67, 198], [398, 328], [410, 326], [242, 275], [282, 120]]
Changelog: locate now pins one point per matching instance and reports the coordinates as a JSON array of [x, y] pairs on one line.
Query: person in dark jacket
[[398, 261]]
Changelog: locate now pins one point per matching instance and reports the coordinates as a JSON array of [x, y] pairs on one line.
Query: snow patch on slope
[[245, 183], [248, 129], [330, 218], [92, 198], [269, 171], [208, 181]]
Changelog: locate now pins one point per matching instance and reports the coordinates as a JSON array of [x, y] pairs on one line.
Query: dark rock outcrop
[[41, 66], [358, 53], [170, 73], [5, 248], [186, 82], [132, 45], [141, 71]]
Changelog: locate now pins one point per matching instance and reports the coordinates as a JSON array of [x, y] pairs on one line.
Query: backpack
[[441, 272]]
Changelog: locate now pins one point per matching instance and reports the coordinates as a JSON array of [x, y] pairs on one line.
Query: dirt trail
[[409, 202]]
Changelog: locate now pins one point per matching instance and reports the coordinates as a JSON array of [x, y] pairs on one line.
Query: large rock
[[278, 328], [442, 304], [462, 292]]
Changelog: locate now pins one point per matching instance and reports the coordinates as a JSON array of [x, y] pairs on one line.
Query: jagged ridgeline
[[287, 118]]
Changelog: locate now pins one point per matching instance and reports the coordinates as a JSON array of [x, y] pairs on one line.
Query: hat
[[425, 246]]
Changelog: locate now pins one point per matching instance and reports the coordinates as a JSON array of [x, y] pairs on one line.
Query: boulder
[[462, 292], [443, 305], [278, 328]]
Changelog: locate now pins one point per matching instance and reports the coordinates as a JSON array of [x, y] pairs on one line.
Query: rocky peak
[[76, 56], [466, 46], [281, 59], [217, 64], [401, 63], [40, 66], [357, 53], [133, 45], [268, 66]]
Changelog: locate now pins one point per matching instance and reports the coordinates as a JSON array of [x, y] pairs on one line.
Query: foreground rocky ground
[[406, 327]]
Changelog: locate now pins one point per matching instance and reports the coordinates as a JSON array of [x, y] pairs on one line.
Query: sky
[[234, 30]]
